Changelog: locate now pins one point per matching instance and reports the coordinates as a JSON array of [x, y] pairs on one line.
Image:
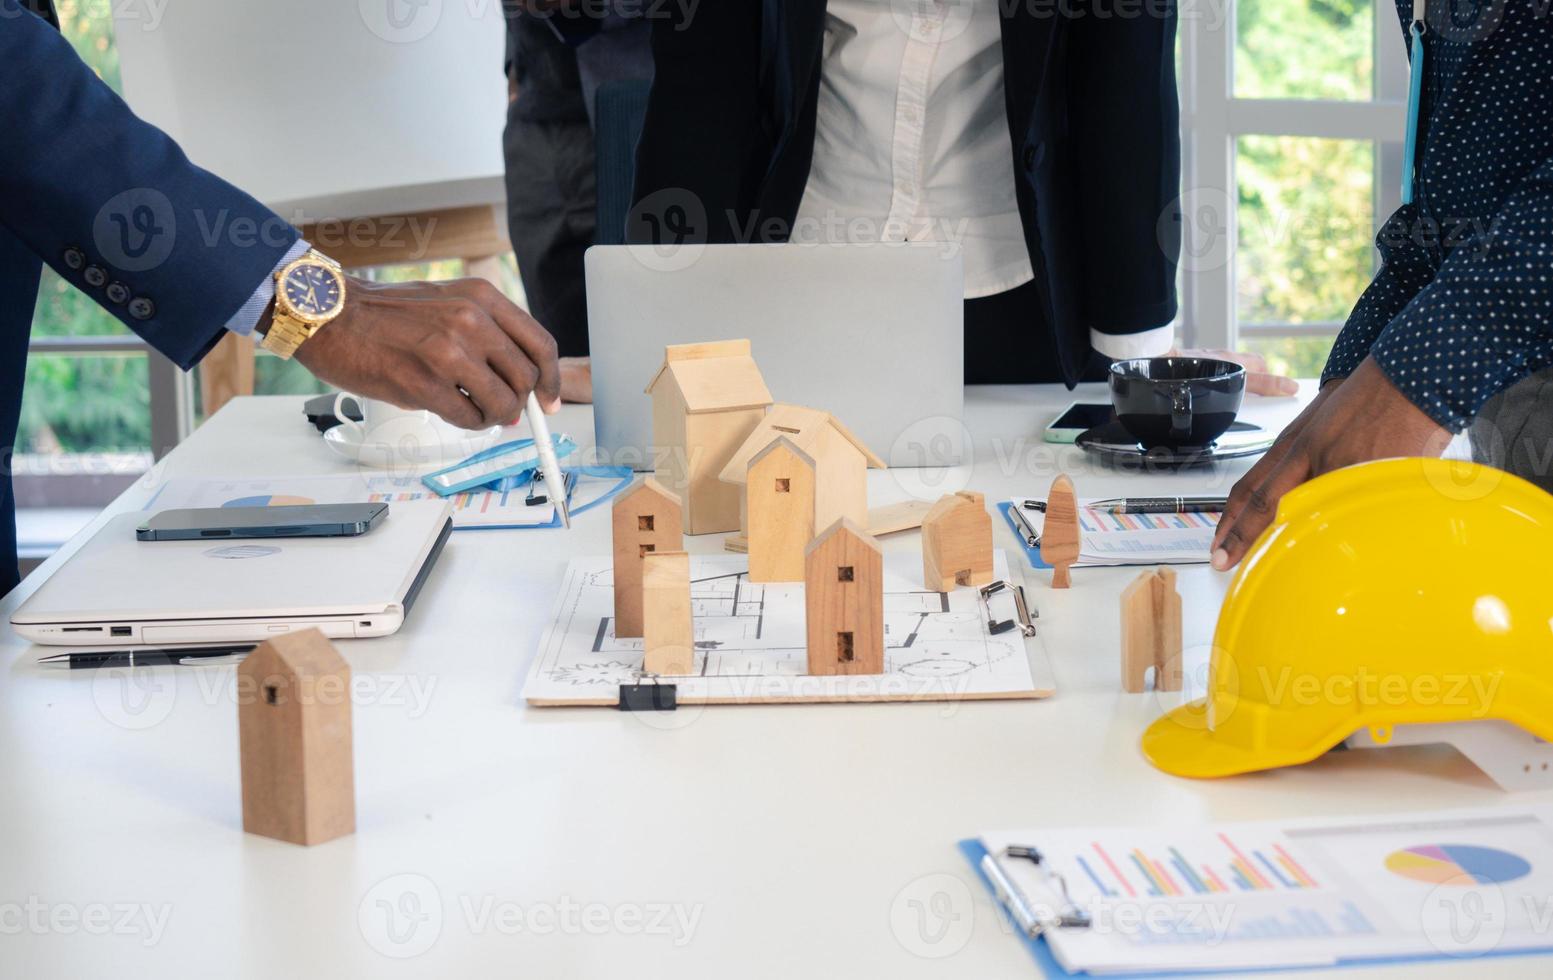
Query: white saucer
[[417, 447]]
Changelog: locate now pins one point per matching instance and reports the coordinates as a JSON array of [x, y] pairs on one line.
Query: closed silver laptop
[[872, 333], [119, 591]]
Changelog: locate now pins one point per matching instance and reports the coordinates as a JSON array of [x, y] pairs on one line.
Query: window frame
[[171, 394], [1213, 119]]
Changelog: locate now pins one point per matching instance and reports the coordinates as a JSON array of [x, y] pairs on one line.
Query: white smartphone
[[1076, 419]]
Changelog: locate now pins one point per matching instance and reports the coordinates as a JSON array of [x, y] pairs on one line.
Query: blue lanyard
[[1415, 89]]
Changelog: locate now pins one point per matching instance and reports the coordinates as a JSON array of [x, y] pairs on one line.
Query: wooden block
[[779, 493], [668, 630], [957, 542], [1137, 632], [894, 518], [294, 733], [738, 544], [1151, 631], [844, 601], [646, 519], [1059, 534], [1167, 607]]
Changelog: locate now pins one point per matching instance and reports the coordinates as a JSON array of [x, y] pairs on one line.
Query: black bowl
[[1177, 402]]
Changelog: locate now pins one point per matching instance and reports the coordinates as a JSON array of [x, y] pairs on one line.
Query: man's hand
[[1259, 380], [1353, 421], [459, 348]]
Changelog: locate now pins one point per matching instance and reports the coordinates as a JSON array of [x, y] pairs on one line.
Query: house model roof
[[714, 377], [303, 653], [648, 486], [950, 503], [804, 427], [843, 525]]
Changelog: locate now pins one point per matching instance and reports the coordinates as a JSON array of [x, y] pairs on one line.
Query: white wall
[[336, 108]]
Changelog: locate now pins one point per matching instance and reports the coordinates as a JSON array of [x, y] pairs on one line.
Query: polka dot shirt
[[1463, 304]]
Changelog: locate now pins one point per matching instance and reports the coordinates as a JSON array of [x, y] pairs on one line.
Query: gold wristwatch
[[308, 294]]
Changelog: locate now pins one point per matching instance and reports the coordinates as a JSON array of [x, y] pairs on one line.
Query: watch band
[[286, 332]]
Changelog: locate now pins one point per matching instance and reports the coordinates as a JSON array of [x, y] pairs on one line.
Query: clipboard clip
[[1024, 913], [648, 697], [1025, 622]]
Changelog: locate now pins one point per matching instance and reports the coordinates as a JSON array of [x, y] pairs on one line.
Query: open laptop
[[119, 591], [872, 333]]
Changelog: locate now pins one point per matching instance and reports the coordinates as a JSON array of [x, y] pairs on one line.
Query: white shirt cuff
[[247, 316], [1122, 346]]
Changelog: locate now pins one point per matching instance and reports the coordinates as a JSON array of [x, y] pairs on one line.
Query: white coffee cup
[[412, 436]]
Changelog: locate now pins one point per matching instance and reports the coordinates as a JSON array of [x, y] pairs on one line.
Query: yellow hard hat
[[1398, 592]]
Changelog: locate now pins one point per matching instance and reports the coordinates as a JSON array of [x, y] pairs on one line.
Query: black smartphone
[[288, 521]]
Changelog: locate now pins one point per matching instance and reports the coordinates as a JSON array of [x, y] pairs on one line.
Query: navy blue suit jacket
[[113, 205]]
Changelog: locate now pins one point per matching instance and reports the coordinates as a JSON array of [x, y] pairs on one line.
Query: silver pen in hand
[[547, 461]]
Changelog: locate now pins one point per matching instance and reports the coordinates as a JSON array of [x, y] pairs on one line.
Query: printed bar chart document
[[1288, 893], [1135, 539]]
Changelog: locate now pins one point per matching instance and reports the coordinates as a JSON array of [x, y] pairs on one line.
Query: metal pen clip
[[1031, 921]]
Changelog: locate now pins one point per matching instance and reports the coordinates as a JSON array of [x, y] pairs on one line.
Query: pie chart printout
[[269, 500], [1457, 864]]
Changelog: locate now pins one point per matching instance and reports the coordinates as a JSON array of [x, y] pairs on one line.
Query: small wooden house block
[[1060, 540], [841, 461], [957, 542], [294, 732], [668, 628], [706, 399], [780, 498], [844, 601], [646, 520], [1151, 631]]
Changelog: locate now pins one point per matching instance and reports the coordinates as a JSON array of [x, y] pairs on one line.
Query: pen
[[1160, 505], [144, 658], [1031, 538], [547, 460]]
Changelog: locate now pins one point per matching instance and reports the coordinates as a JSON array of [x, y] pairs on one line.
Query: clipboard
[[1036, 918], [1032, 550]]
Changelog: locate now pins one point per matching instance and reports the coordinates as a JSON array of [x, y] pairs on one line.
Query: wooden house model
[[844, 601], [780, 489], [841, 460], [294, 733], [706, 399], [957, 542], [646, 520]]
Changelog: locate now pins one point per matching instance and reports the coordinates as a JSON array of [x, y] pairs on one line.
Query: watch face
[[313, 290]]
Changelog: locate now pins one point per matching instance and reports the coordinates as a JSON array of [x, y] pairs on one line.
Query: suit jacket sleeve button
[[1029, 158], [141, 308], [96, 275], [118, 293], [73, 258]]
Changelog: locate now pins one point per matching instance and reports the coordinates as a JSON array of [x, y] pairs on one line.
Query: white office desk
[[808, 841]]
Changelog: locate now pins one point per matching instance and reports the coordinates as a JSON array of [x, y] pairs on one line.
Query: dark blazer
[[1091, 109], [114, 206]]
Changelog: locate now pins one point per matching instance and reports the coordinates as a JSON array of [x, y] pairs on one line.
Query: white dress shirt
[[912, 143]]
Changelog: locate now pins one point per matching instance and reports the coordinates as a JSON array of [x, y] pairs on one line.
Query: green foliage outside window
[[1306, 221]]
